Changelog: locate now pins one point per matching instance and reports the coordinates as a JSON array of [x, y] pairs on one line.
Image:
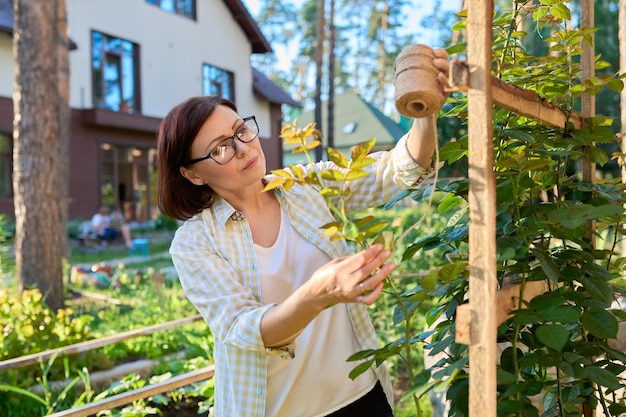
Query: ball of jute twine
[[417, 89]]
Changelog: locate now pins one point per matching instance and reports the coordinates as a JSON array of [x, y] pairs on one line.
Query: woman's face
[[245, 169]]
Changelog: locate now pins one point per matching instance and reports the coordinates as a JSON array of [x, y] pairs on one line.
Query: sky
[[416, 10]]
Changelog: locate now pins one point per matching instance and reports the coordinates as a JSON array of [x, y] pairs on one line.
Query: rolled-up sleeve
[[217, 291]]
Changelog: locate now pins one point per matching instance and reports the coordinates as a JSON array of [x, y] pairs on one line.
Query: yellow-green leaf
[[337, 157], [362, 162], [282, 173], [362, 149], [274, 184], [354, 174], [332, 175], [328, 192]]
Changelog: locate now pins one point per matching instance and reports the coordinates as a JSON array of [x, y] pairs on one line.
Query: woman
[[257, 266]]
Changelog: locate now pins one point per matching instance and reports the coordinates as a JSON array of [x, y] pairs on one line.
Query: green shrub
[[30, 326]]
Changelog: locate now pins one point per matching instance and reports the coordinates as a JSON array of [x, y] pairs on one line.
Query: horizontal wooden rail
[[523, 102], [94, 344], [144, 392]]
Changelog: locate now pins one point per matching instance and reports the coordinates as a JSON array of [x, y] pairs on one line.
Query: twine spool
[[417, 89]]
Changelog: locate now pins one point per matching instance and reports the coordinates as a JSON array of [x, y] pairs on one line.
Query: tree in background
[[41, 137]]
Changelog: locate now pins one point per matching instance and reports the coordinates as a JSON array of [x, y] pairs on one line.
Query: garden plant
[[557, 357], [552, 226]]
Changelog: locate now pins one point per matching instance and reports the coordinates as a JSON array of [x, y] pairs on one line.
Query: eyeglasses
[[226, 150]]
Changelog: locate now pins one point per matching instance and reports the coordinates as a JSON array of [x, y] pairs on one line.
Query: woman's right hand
[[355, 278]]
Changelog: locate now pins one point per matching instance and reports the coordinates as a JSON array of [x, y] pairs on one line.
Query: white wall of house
[[173, 49]]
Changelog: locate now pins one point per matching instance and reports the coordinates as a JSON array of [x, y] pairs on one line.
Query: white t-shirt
[[316, 382]]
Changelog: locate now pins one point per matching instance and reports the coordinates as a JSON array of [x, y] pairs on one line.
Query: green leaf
[[450, 271], [561, 314], [449, 202], [351, 230], [600, 323], [518, 134], [560, 11], [547, 265], [359, 369], [597, 288], [430, 281], [602, 377], [375, 228], [552, 335], [21, 391], [615, 85], [597, 155]]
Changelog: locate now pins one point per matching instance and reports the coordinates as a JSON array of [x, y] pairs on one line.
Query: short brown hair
[[178, 197]]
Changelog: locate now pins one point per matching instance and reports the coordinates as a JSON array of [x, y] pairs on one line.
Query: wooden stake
[[482, 198]]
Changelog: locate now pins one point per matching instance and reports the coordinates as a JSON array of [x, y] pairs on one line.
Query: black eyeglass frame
[[232, 143]]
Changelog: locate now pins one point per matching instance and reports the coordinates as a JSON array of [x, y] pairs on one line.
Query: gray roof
[[356, 121], [271, 91]]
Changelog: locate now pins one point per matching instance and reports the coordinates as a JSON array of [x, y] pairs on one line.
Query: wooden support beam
[[482, 204], [127, 397], [507, 300], [93, 344], [518, 100]]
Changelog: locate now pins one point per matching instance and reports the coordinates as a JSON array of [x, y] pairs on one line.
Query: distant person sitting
[[118, 223], [107, 226]]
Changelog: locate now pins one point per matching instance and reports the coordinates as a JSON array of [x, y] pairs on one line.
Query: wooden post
[[588, 109], [482, 199]]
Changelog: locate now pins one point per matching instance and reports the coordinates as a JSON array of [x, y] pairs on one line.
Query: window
[[349, 127], [115, 73], [218, 82], [6, 166], [125, 180], [185, 8]]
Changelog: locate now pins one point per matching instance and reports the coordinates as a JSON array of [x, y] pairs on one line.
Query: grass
[[82, 256]]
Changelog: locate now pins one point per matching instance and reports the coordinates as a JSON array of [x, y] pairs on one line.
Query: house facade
[[130, 62]]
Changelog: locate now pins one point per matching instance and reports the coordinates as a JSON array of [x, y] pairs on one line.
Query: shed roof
[[271, 91], [356, 121]]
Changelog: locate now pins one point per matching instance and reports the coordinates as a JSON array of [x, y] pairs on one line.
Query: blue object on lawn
[[139, 248]]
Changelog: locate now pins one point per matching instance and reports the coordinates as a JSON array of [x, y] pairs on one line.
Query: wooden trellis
[[487, 307]]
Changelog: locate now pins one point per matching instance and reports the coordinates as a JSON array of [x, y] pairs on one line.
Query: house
[[356, 121], [131, 61]]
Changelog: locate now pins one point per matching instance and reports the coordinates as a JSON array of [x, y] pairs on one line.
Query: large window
[[186, 8], [125, 180], [6, 165], [218, 82], [115, 73]]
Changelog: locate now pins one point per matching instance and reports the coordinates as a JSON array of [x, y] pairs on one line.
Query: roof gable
[[356, 121]]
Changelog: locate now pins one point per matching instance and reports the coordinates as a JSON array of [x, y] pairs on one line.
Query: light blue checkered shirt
[[214, 255]]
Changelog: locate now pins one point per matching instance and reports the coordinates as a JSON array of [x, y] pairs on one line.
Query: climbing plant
[[556, 355]]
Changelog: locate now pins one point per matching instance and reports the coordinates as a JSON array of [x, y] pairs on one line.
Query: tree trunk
[[319, 59], [382, 53], [622, 70], [331, 76], [41, 143]]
